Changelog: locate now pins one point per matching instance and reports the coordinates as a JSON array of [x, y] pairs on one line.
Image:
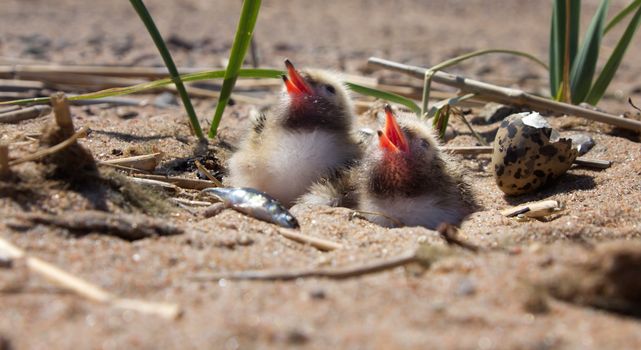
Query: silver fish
[[254, 203]]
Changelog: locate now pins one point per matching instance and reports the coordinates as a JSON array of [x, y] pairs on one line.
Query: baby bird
[[304, 138], [405, 176]]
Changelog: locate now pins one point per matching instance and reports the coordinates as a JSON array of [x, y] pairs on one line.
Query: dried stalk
[[534, 209], [340, 273], [5, 169], [465, 150], [449, 234], [86, 289], [24, 114], [171, 188], [10, 96], [207, 173], [58, 80], [593, 163], [129, 227], [145, 162], [12, 71], [192, 184], [633, 105], [9, 109], [62, 113], [190, 202], [82, 132], [580, 161], [20, 85], [509, 96], [318, 243]]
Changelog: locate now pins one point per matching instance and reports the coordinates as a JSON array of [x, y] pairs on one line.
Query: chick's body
[[405, 176], [306, 137]]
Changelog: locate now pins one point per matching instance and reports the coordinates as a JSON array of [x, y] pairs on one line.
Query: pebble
[[6, 262], [126, 113], [583, 143], [297, 336], [166, 99], [466, 287], [318, 293], [494, 112]]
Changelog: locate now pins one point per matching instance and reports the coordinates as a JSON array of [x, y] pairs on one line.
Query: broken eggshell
[[524, 157]]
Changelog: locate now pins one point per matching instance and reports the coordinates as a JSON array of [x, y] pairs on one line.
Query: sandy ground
[[488, 300]]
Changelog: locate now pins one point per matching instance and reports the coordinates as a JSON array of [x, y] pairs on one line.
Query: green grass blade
[[217, 74], [242, 40], [612, 65], [562, 20], [169, 62], [575, 24], [441, 120], [452, 101], [557, 43], [461, 58], [587, 57], [573, 13], [127, 90], [621, 15], [388, 96]]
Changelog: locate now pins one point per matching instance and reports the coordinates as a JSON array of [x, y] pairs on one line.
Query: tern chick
[[306, 137]]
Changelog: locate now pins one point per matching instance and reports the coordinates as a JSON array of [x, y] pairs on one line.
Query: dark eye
[[425, 144], [330, 89]]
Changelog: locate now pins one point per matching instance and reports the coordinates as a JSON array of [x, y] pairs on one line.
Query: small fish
[[254, 203]]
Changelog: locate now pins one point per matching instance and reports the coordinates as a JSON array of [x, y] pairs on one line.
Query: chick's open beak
[[392, 138], [294, 82]]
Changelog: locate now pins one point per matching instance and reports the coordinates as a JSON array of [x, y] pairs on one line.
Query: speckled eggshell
[[524, 159]]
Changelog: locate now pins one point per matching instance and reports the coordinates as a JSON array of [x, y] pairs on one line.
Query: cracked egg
[[529, 154]]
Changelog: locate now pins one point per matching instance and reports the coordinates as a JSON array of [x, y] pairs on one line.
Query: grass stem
[[169, 62]]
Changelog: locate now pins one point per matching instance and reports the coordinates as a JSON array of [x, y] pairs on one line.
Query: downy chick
[[306, 137], [404, 175]]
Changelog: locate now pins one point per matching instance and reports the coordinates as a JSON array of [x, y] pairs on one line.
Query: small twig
[[51, 150], [62, 81], [62, 113], [190, 202], [476, 135], [593, 163], [395, 221], [318, 243], [581, 161], [5, 169], [450, 100], [145, 162], [427, 86], [192, 184], [468, 150], [632, 104], [126, 226], [10, 96], [9, 109], [448, 233], [207, 173], [340, 273], [24, 114], [20, 85], [173, 189], [86, 289], [534, 209], [21, 70], [509, 96], [116, 166]]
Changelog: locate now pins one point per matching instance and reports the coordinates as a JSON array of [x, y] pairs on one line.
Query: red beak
[[294, 82], [392, 138]]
